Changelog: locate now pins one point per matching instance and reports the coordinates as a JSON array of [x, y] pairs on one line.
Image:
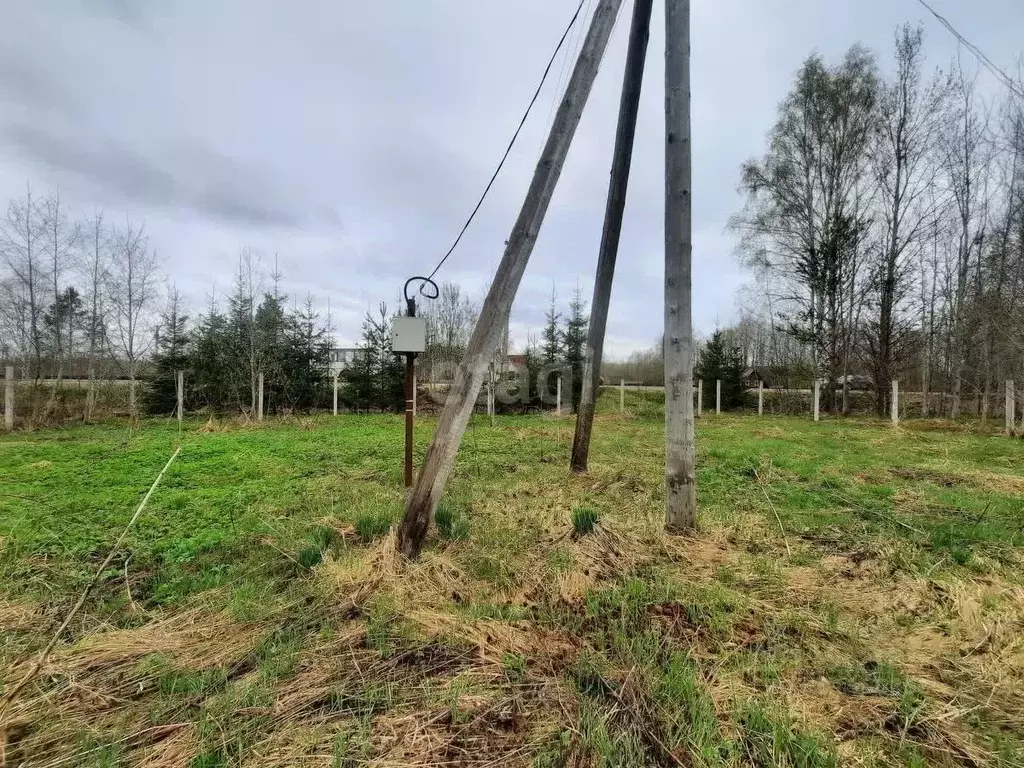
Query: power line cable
[[512, 142], [991, 66]]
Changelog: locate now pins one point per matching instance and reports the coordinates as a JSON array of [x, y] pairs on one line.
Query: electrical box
[[408, 334]]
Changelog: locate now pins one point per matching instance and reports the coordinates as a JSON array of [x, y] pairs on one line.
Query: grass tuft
[[583, 520]]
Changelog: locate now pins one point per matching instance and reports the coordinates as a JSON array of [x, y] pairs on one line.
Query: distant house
[[342, 358], [752, 376]]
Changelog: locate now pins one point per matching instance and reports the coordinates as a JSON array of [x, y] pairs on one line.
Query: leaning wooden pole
[[622, 155], [494, 313], [680, 471]]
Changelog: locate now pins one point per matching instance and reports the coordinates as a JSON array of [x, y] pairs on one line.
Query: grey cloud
[[187, 176]]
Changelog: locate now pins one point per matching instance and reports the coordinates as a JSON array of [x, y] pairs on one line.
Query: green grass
[[696, 651]]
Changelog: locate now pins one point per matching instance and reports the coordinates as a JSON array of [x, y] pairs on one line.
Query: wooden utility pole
[[680, 470], [9, 398], [494, 313], [629, 104]]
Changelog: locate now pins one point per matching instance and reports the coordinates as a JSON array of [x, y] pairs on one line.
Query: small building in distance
[[342, 358], [752, 376]]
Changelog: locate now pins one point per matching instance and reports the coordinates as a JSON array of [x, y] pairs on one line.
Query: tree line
[[86, 299], [885, 224]]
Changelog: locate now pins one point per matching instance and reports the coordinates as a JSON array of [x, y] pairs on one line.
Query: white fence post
[[700, 397], [179, 385], [336, 394], [622, 395], [259, 401], [760, 398], [1011, 397], [9, 397], [718, 395], [817, 398], [558, 397], [894, 405]]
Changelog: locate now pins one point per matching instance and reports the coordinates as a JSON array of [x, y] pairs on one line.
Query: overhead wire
[[991, 66], [512, 141]]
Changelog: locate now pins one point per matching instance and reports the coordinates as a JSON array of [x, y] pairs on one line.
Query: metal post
[[817, 398], [9, 398], [622, 396], [760, 398], [894, 406], [718, 395], [259, 401], [410, 379]]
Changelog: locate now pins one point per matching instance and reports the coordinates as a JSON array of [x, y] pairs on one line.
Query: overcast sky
[[352, 138]]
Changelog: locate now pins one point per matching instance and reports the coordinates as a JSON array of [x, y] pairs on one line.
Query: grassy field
[[854, 596]]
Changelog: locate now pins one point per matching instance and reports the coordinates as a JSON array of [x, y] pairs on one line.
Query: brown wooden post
[[494, 313]]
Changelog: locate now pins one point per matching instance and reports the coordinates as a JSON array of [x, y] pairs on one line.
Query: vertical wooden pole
[[816, 398], [760, 398], [718, 395], [415, 393], [625, 131], [680, 449], [259, 396], [700, 397], [179, 386], [494, 313], [1011, 416], [894, 404], [558, 396], [335, 394], [622, 396], [9, 397]]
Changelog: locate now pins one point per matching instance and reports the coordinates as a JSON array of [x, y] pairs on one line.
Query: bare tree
[[909, 123], [61, 238], [804, 219], [96, 267], [20, 250], [963, 151], [133, 287]]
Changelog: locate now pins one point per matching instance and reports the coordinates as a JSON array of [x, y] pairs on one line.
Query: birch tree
[[133, 288]]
